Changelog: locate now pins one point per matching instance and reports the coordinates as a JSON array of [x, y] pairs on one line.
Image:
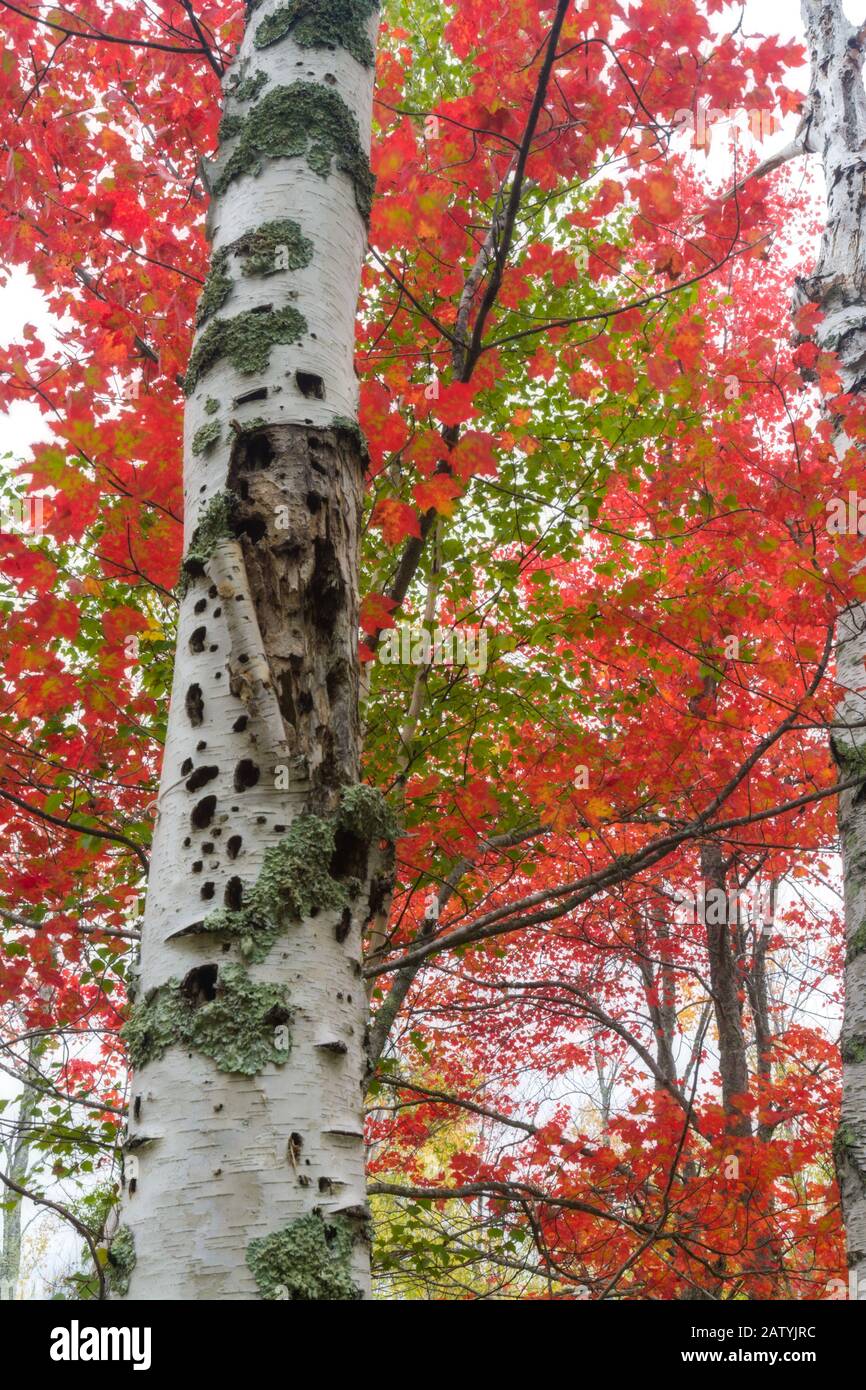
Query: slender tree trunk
[[244, 1162], [16, 1164], [660, 992], [725, 984], [836, 127]]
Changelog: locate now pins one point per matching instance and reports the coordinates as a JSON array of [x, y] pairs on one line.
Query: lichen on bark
[[237, 1028], [246, 340], [303, 120], [206, 437], [267, 250], [322, 24], [297, 877], [216, 290], [347, 426], [120, 1262], [295, 882], [216, 522], [248, 88], [310, 1260], [365, 812], [272, 247], [856, 944]]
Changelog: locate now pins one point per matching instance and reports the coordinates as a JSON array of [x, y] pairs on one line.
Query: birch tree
[[15, 1156], [244, 1161], [834, 126]]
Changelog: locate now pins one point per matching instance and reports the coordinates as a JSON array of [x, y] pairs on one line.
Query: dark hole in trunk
[[253, 526], [202, 812], [350, 856], [233, 846], [246, 775], [311, 386], [259, 394], [327, 591], [201, 777], [197, 640], [276, 1016], [195, 705], [200, 985], [257, 454], [234, 894]]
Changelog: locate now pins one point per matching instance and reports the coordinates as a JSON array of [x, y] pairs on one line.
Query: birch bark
[[244, 1159], [835, 127]]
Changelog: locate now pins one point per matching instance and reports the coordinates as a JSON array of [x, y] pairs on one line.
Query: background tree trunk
[[835, 126], [15, 1153], [244, 1169]]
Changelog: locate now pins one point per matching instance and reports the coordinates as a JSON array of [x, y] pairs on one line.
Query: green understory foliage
[[121, 1261]]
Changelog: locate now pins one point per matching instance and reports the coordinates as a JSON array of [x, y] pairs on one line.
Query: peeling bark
[[245, 1139]]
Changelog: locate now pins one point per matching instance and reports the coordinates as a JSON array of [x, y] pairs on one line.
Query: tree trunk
[[725, 987], [16, 1164], [244, 1161], [836, 127]]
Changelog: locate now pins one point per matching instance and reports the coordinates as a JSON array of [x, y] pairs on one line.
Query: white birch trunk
[[244, 1162], [836, 128]]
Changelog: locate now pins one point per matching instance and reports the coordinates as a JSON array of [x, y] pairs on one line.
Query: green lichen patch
[[856, 943], [246, 340], [230, 126], [206, 437], [121, 1261], [211, 406], [347, 426], [304, 120], [241, 1029], [295, 882], [272, 247], [248, 88], [364, 812], [243, 428], [849, 758], [267, 250], [854, 1049], [847, 1147], [322, 24], [308, 1261], [215, 524], [216, 290]]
